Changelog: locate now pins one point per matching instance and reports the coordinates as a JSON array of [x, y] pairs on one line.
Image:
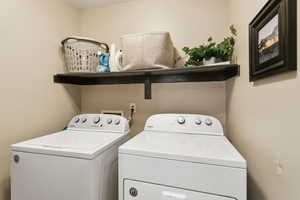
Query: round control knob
[[198, 121], [83, 120], [181, 120], [117, 121], [96, 120], [208, 122], [76, 120], [109, 120]]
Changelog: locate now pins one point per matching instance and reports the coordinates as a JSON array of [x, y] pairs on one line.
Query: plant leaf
[[233, 30]]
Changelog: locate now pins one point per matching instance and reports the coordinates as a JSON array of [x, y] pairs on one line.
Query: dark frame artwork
[[273, 39]]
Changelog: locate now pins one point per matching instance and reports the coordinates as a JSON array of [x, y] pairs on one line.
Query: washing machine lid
[[205, 149], [78, 144]]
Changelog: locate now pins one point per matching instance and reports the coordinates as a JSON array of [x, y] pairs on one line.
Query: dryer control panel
[[99, 122], [184, 123]]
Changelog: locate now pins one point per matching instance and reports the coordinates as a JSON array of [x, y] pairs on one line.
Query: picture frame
[[273, 39]]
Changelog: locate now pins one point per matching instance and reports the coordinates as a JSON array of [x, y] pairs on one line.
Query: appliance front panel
[[212, 179], [43, 177], [135, 190]]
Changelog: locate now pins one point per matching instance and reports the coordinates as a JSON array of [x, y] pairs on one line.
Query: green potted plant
[[226, 47], [203, 53], [211, 52]]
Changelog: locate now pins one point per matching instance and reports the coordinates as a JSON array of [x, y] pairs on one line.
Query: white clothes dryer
[[181, 157]]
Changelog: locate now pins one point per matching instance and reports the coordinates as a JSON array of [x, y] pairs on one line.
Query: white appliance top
[[190, 141], [86, 137]]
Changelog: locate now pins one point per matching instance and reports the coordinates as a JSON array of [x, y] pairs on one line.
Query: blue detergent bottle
[[104, 62]]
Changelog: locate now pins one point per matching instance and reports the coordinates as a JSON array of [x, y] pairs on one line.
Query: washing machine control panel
[[185, 123], [100, 122]]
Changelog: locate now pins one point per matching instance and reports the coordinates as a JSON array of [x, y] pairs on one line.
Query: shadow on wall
[[268, 80], [276, 78], [6, 189], [73, 91], [74, 94], [254, 192], [61, 55]]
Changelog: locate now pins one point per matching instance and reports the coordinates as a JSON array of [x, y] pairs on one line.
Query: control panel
[[184, 123], [99, 122]]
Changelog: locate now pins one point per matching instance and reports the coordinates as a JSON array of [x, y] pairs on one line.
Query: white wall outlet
[[132, 106]]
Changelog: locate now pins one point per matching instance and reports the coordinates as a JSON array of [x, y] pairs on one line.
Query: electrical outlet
[[132, 106]]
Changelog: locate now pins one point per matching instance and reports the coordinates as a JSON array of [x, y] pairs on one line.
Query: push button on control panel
[[117, 121], [181, 120], [83, 120], [198, 121], [76, 120], [109, 120], [208, 122]]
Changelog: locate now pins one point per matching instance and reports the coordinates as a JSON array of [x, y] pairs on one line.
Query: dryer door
[[135, 190]]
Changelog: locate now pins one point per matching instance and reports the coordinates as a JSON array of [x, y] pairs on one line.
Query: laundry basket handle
[[86, 40]]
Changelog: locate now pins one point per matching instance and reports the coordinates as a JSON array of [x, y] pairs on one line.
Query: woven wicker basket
[[81, 54]]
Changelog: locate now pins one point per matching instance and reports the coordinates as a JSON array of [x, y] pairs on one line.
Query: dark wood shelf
[[147, 77]]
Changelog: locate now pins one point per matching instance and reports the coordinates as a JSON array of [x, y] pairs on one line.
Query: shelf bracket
[[147, 87]]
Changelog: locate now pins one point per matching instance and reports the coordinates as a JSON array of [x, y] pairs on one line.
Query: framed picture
[[273, 39]]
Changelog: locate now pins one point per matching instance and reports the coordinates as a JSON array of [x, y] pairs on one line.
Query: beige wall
[[263, 118], [205, 98], [31, 104], [190, 22]]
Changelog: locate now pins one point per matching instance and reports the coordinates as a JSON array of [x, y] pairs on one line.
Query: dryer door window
[[134, 190]]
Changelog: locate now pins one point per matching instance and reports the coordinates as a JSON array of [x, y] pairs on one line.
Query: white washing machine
[[180, 157], [79, 163]]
